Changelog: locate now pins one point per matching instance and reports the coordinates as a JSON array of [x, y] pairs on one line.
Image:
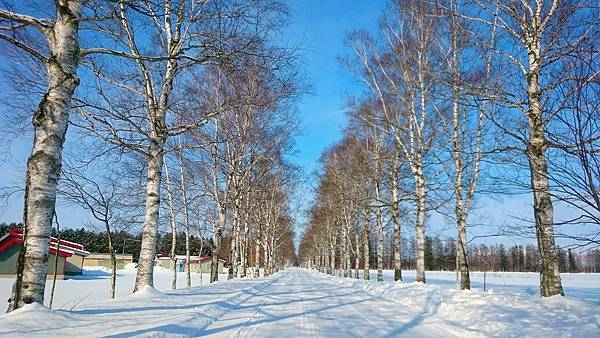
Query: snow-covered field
[[302, 303], [583, 286], [94, 286]]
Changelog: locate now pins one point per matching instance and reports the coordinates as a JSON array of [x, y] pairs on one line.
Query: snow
[[145, 293], [583, 286], [496, 313], [302, 303], [94, 285]]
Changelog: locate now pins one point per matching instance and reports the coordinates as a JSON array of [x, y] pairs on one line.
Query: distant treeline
[[440, 252], [440, 255], [123, 242]]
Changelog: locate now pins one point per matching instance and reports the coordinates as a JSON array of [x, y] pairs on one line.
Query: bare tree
[[465, 130], [54, 42], [186, 216], [535, 40], [173, 222], [183, 37], [574, 171], [399, 78], [99, 195]]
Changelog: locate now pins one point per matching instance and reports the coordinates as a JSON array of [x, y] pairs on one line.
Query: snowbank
[[145, 293], [303, 303], [489, 313], [94, 285], [147, 312]]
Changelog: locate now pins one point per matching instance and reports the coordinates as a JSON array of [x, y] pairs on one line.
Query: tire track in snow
[[247, 329], [259, 287], [304, 304]]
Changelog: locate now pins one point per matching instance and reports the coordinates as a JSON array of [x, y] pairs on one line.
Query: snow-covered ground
[[583, 286], [94, 286], [303, 303]]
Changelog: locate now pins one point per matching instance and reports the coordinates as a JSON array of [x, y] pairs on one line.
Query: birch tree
[[465, 128], [173, 223], [54, 43], [398, 75], [574, 169], [100, 196], [535, 41], [182, 36]]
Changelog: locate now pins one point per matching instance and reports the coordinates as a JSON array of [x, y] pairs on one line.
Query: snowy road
[[298, 304], [303, 303]]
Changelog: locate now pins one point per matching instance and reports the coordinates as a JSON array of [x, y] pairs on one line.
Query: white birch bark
[[357, 254], [156, 105], [420, 228], [550, 282], [50, 123], [397, 260], [113, 259], [379, 223], [366, 239], [257, 251], [186, 220], [173, 219], [145, 272]]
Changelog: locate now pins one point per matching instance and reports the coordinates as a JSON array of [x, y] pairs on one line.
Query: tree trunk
[[200, 255], [50, 123], [379, 220], [332, 259], [113, 275], [550, 282], [344, 252], [257, 263], [458, 137], [271, 253], [157, 111], [55, 274], [366, 252], [357, 257], [174, 272], [347, 246], [379, 244], [270, 263], [216, 251], [233, 258], [188, 272], [327, 264], [462, 263], [234, 254], [244, 246], [145, 273], [420, 227], [113, 260], [320, 263], [186, 220], [396, 221], [543, 211], [173, 253], [243, 257], [266, 257]]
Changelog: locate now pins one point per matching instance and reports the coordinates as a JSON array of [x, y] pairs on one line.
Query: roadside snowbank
[[148, 312], [94, 286], [489, 313]]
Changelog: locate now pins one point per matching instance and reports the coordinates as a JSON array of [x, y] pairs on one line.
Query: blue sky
[[320, 26]]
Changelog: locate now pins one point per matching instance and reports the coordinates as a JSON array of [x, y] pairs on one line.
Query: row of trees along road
[[188, 97], [455, 93]]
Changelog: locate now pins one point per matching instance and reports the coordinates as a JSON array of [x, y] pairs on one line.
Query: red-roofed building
[[70, 255]]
